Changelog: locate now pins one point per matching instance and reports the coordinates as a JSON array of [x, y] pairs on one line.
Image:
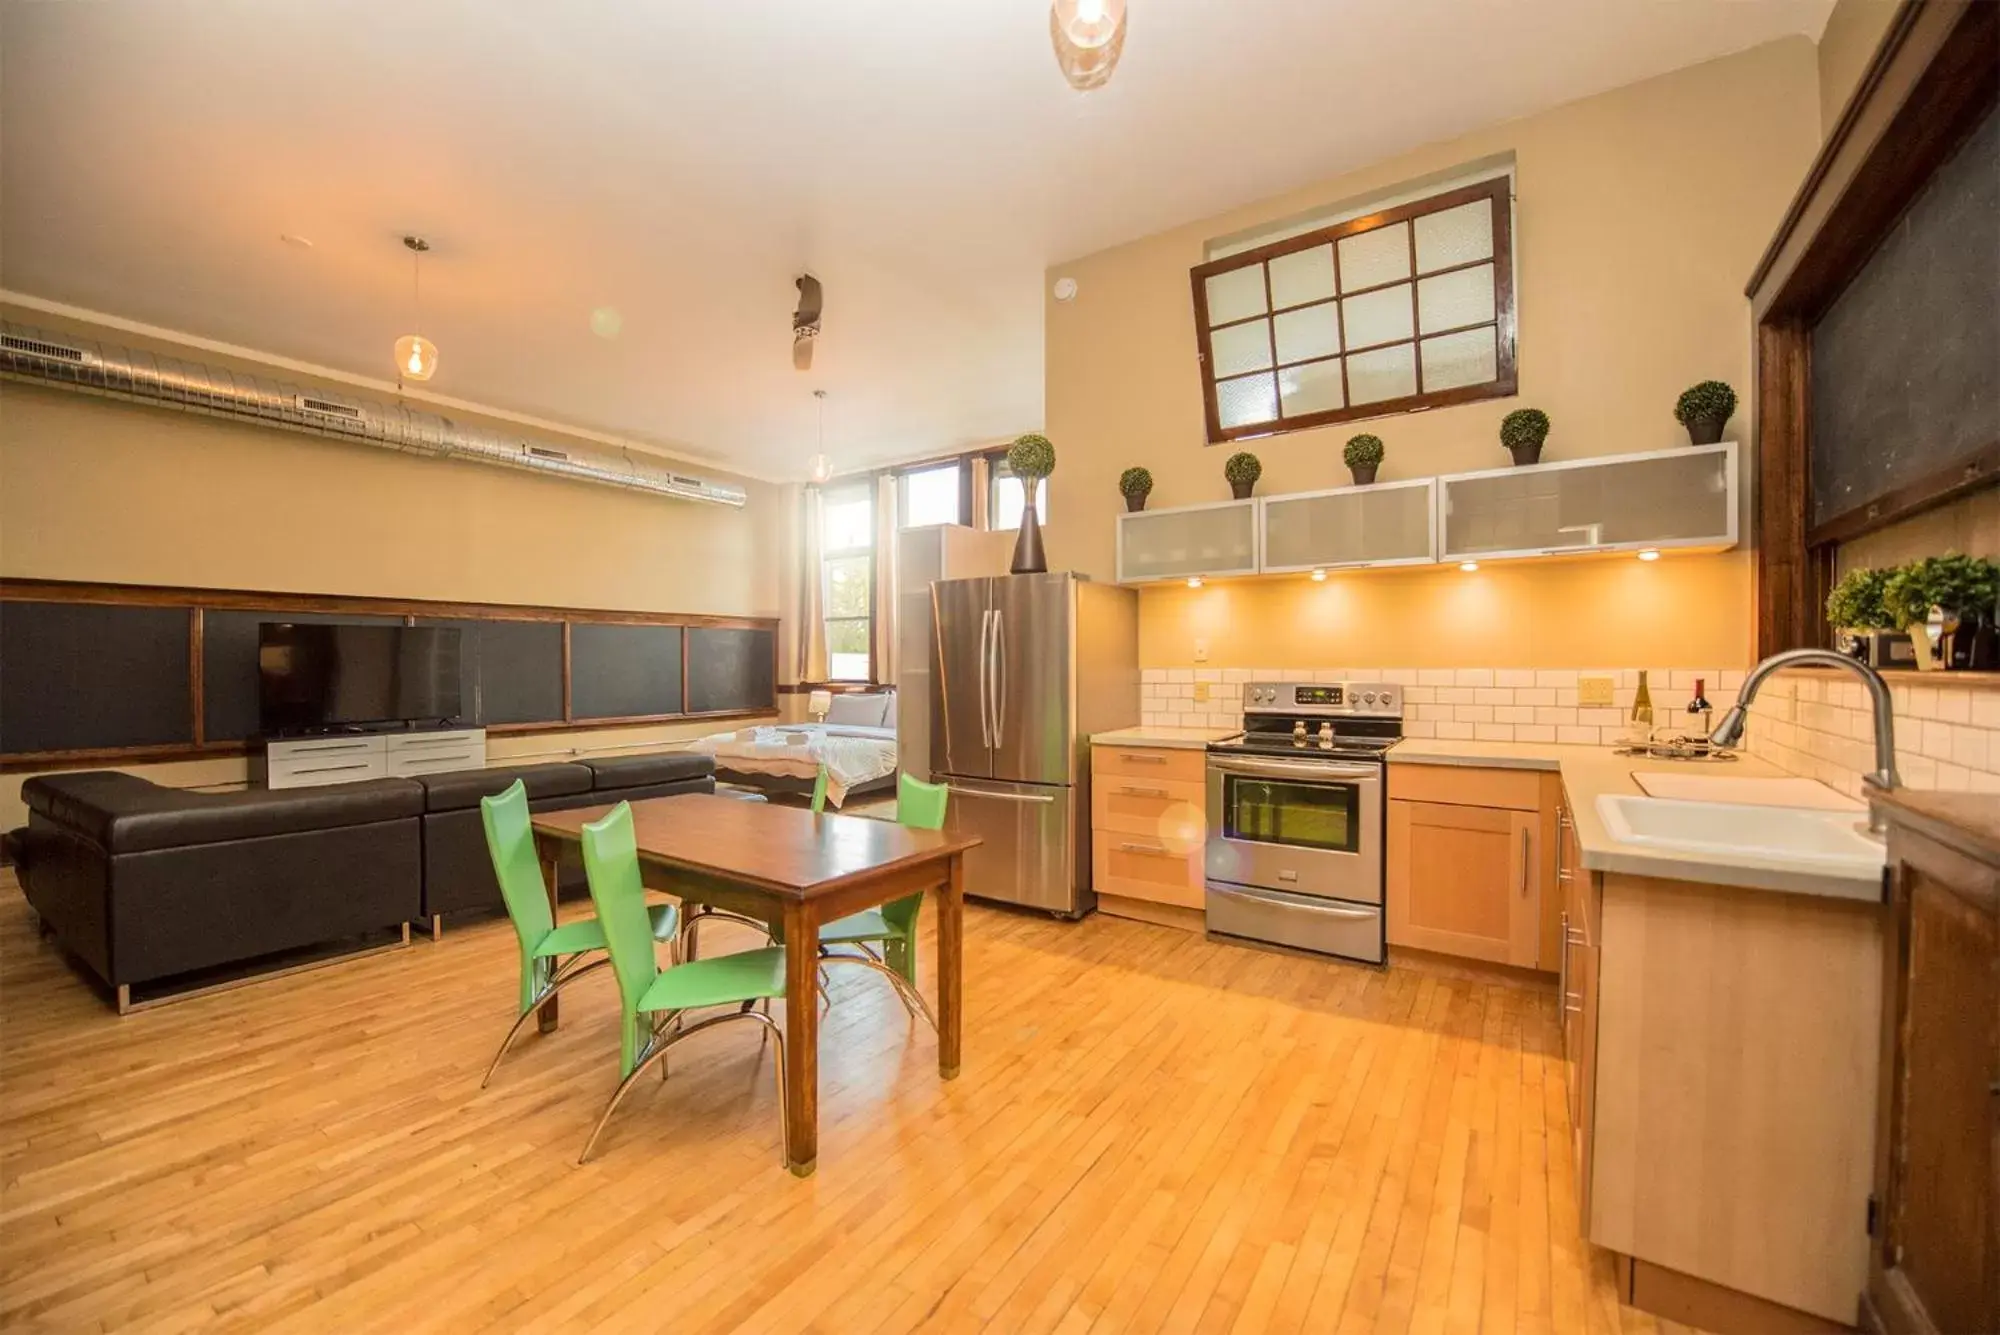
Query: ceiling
[[679, 163]]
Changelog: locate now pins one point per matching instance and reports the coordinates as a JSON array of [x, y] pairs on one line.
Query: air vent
[[544, 452], [345, 412], [48, 352]]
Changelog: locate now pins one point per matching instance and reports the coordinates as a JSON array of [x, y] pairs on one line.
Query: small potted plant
[[1363, 456], [1242, 470], [1030, 458], [1946, 603], [1704, 409], [1136, 484], [1862, 624], [1522, 432]]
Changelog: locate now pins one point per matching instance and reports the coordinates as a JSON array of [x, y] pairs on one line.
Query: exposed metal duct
[[47, 358]]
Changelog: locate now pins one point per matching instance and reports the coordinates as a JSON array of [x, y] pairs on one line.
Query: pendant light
[[416, 356], [821, 466], [1088, 36]]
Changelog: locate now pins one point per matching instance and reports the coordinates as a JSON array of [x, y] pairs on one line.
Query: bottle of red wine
[[1699, 706]]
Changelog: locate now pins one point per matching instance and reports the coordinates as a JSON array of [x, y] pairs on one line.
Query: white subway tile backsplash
[[1493, 732], [1492, 695], [1512, 677], [1436, 677], [1473, 677]]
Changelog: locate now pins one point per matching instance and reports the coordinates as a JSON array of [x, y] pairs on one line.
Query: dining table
[[794, 869]]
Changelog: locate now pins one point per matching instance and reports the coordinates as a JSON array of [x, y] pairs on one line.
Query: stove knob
[[1368, 698]]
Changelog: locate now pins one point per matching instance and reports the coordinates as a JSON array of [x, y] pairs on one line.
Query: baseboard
[[1705, 1306], [1160, 915]]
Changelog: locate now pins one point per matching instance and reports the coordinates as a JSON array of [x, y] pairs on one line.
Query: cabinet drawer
[[1142, 763], [403, 766], [1167, 810], [1145, 869], [1460, 785], [313, 770]]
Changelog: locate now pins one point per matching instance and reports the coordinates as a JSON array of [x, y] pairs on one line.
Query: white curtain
[[812, 605], [886, 528], [982, 493]]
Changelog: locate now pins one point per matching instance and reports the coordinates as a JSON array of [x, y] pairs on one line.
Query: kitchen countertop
[[1590, 771], [1179, 739]]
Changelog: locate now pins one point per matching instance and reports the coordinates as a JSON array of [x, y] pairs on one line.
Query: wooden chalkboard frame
[[198, 601], [1932, 81]]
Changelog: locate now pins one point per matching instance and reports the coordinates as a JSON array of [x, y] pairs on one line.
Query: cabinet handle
[[1141, 758], [1131, 790], [1572, 1004], [1562, 966], [1152, 850], [1527, 842]]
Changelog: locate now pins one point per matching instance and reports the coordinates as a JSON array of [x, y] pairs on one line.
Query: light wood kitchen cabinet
[[1148, 829], [1470, 861]]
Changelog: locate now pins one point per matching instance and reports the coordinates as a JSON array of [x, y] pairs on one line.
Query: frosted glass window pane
[[1312, 331], [1378, 317], [1254, 398], [1241, 347], [1466, 358], [1380, 256], [1455, 236], [1386, 373], [1312, 388], [1450, 300], [1236, 295], [1301, 277], [931, 497]]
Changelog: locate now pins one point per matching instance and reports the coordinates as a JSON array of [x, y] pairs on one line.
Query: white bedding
[[853, 755]]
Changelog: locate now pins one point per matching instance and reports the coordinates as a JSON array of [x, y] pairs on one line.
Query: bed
[[856, 745]]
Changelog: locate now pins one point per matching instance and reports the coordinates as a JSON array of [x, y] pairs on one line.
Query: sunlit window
[[848, 564], [1007, 495], [933, 496]]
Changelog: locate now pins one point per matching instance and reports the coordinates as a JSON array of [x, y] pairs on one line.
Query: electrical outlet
[[1200, 691], [1201, 651], [1594, 692]]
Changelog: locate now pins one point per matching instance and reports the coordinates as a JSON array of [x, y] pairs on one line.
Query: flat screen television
[[314, 678]]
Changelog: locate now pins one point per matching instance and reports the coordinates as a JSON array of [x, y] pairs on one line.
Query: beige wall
[[95, 489], [1846, 45], [1640, 214]]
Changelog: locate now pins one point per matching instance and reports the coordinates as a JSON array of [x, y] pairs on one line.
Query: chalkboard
[[624, 671], [730, 669], [77, 676], [1906, 362], [512, 670], [229, 687]]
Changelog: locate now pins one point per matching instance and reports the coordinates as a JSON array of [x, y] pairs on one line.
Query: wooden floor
[[1152, 1133]]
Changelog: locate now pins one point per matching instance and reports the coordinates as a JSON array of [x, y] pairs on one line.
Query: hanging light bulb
[[1088, 36], [416, 356], [821, 466]]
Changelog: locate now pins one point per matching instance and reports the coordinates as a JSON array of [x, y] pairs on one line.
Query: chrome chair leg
[[912, 999], [659, 1053], [560, 978]]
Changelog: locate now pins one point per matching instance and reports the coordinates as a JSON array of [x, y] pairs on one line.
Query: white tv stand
[[308, 762]]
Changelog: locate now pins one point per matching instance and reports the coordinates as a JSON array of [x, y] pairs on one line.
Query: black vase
[[1364, 474], [1029, 558], [1705, 430], [1530, 453]]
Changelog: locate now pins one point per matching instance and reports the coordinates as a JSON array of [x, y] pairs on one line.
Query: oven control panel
[[1349, 697]]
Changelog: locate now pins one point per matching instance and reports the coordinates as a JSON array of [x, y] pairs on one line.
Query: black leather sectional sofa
[[148, 885]]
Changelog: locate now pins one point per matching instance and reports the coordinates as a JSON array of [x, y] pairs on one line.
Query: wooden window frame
[[1499, 190]]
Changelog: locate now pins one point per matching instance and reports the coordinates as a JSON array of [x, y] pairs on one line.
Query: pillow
[[889, 713], [860, 711]]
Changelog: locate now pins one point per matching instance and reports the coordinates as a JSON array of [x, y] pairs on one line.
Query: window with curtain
[[847, 565], [1007, 493], [933, 494], [1404, 308]]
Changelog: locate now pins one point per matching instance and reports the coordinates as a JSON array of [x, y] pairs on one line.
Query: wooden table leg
[[550, 1013], [951, 966], [801, 1039]]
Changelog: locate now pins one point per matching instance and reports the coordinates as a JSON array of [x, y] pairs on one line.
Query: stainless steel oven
[[1296, 819]]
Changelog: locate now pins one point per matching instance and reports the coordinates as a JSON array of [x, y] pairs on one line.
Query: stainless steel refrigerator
[[1025, 668]]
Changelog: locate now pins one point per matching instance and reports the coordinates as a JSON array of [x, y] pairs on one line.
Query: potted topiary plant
[[1862, 624], [1363, 456], [1242, 470], [1136, 484], [1030, 458], [1522, 432], [1704, 409]]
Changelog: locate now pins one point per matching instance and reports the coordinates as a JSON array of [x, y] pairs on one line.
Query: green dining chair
[[552, 957], [653, 1001], [886, 936]]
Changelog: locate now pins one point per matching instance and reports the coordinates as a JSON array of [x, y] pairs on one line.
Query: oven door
[[1305, 827]]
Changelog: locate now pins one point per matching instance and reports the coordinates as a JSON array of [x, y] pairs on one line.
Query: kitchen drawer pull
[[1527, 843], [1152, 850], [1133, 790], [1292, 902], [1142, 758]]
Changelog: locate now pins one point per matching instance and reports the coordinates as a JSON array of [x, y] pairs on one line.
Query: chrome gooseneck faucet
[[1729, 732]]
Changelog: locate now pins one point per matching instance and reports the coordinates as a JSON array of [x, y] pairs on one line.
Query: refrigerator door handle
[[999, 674], [1043, 798], [985, 669]]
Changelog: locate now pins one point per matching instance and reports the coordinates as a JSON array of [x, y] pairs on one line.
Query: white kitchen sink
[[1831, 840]]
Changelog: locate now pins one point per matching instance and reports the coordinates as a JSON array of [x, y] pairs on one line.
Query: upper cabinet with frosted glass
[[1683, 498], [1408, 307], [1385, 524], [1191, 540]]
